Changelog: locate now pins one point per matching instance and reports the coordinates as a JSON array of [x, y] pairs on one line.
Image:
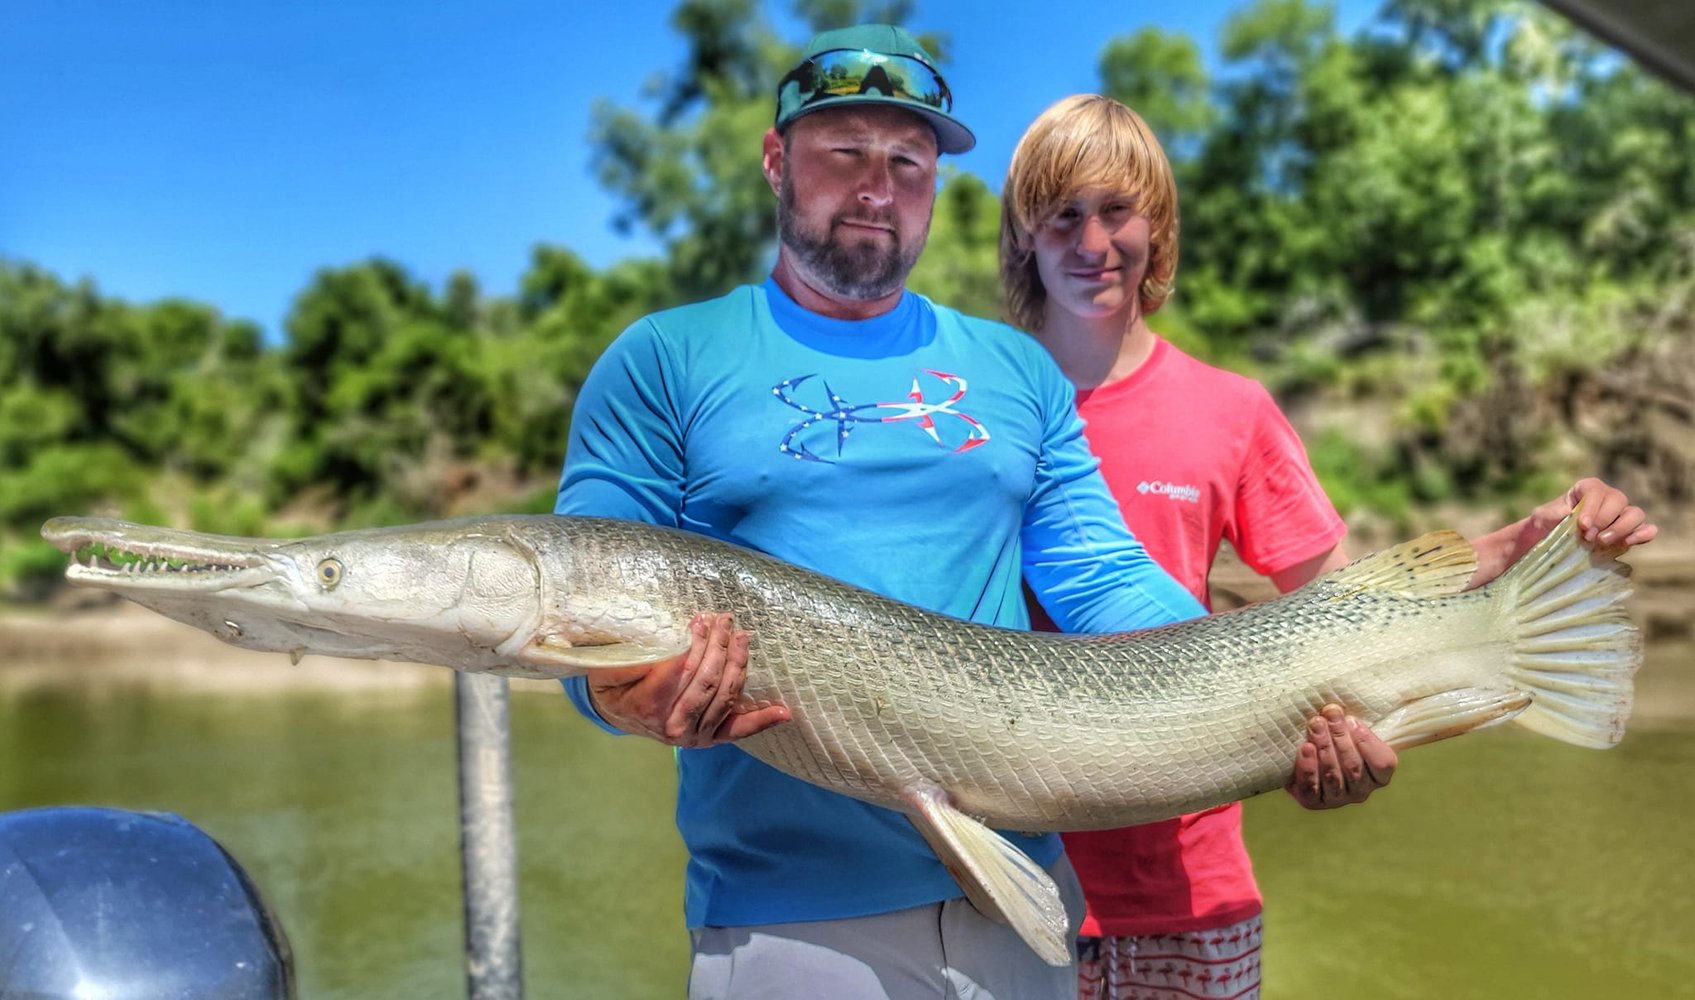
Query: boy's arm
[[1080, 560], [1608, 519]]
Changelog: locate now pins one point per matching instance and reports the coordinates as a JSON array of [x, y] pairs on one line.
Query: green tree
[[389, 389], [568, 314], [101, 401], [1452, 213], [961, 261], [1163, 78]]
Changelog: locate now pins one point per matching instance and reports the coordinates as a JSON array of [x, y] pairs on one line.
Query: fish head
[[455, 593]]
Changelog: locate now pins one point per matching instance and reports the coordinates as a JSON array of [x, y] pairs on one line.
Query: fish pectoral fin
[[1448, 713], [1434, 565], [999, 879], [561, 659]]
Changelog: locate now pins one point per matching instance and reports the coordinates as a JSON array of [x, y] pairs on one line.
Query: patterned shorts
[[1223, 962]]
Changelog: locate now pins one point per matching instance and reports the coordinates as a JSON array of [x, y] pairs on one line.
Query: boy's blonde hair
[[1084, 141]]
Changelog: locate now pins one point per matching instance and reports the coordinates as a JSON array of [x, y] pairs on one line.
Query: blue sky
[[225, 151]]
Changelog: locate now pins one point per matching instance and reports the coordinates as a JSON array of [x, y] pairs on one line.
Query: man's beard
[[863, 271]]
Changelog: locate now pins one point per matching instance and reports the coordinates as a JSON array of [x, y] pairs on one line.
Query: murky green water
[[1500, 865], [344, 810]]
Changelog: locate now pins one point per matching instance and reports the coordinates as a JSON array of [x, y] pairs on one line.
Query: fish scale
[[1082, 705], [961, 726]]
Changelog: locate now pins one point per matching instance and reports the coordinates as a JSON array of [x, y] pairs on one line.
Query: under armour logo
[[846, 416]]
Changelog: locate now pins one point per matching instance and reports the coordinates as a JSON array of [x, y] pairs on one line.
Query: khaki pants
[[945, 951]]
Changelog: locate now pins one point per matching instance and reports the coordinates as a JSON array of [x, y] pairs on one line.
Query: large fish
[[962, 727]]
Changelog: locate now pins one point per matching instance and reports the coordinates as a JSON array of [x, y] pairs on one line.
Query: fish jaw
[[461, 597], [135, 559]]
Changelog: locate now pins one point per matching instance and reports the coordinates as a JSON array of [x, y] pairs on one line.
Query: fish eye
[[329, 573]]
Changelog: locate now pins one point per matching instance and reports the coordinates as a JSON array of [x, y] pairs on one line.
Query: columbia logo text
[[1172, 490]]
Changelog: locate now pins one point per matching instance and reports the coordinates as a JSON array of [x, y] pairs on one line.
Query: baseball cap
[[872, 64]]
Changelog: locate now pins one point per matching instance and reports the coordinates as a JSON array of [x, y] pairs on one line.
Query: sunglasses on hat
[[860, 72]]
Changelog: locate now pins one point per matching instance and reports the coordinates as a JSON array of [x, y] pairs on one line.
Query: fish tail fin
[[1575, 650]]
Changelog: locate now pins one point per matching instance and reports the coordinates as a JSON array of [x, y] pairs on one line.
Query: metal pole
[[488, 847]]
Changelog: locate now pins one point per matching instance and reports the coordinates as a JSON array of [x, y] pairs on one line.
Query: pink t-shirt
[[1194, 455]]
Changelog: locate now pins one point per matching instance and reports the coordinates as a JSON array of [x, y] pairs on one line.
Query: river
[[1501, 864]]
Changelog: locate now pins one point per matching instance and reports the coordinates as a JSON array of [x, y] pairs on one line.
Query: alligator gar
[[962, 727]]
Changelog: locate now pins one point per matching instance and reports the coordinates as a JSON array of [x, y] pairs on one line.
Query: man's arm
[[1091, 575], [625, 460], [1079, 559], [695, 701]]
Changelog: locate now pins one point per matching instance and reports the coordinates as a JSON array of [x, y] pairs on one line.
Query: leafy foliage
[[1460, 244], [1437, 189], [959, 266]]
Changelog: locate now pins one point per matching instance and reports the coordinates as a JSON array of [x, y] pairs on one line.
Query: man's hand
[[692, 701], [1341, 762]]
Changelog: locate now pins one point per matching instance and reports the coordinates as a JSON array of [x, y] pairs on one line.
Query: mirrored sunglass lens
[[920, 84], [838, 74]]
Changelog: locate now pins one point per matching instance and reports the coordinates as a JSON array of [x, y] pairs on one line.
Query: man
[[833, 419]]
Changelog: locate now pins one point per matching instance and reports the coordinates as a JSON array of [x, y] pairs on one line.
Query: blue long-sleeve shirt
[[923, 454]]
